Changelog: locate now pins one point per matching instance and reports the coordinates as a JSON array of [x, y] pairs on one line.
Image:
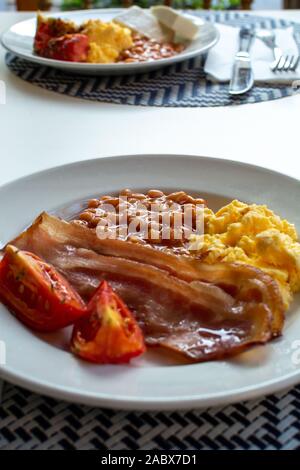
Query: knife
[[296, 36], [242, 74]]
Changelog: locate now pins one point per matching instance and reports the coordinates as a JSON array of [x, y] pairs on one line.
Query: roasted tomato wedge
[[38, 295], [42, 36], [108, 334], [48, 28], [70, 47]]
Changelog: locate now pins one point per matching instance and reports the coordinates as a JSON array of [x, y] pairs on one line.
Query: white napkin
[[220, 58]]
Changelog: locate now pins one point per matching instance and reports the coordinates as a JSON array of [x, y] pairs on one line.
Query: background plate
[[40, 363], [18, 39]]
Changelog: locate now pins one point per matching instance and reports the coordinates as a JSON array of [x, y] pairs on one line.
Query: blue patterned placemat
[[182, 85], [30, 421]]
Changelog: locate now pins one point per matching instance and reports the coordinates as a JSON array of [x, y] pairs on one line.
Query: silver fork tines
[[285, 63], [294, 66]]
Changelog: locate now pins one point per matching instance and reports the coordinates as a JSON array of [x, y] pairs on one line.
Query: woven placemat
[[30, 421], [182, 85]]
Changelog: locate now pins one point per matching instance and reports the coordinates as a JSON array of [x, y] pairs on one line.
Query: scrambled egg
[[106, 40], [254, 235]]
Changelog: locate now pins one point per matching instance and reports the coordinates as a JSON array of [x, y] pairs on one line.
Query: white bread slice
[[142, 22]]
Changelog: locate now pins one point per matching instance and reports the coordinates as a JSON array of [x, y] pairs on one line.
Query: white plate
[[18, 39], [41, 364]]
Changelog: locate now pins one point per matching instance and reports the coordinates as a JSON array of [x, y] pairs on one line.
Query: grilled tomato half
[[38, 295]]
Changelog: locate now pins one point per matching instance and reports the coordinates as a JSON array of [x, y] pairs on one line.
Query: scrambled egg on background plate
[[254, 235], [106, 40]]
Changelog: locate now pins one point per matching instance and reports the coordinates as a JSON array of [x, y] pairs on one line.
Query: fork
[[286, 63], [282, 62]]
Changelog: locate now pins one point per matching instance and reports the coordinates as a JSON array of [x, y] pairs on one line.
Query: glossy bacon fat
[[203, 312]]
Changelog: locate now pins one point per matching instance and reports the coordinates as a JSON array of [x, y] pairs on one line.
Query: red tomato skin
[[108, 333], [42, 37], [70, 48], [41, 298]]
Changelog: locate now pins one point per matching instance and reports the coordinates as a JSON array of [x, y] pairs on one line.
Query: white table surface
[[40, 129]]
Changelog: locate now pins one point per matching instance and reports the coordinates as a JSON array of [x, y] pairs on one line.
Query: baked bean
[[176, 196], [138, 201], [126, 54], [126, 192], [138, 196], [92, 223], [155, 193], [104, 198], [185, 199], [96, 220], [93, 203], [200, 201], [189, 200], [87, 216], [111, 200]]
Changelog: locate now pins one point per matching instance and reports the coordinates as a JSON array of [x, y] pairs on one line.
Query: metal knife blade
[[296, 34], [242, 74]]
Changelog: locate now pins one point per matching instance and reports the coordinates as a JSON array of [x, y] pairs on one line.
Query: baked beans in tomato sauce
[[140, 208], [145, 49]]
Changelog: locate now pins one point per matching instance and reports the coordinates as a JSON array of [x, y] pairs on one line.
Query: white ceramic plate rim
[[66, 392], [105, 68]]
